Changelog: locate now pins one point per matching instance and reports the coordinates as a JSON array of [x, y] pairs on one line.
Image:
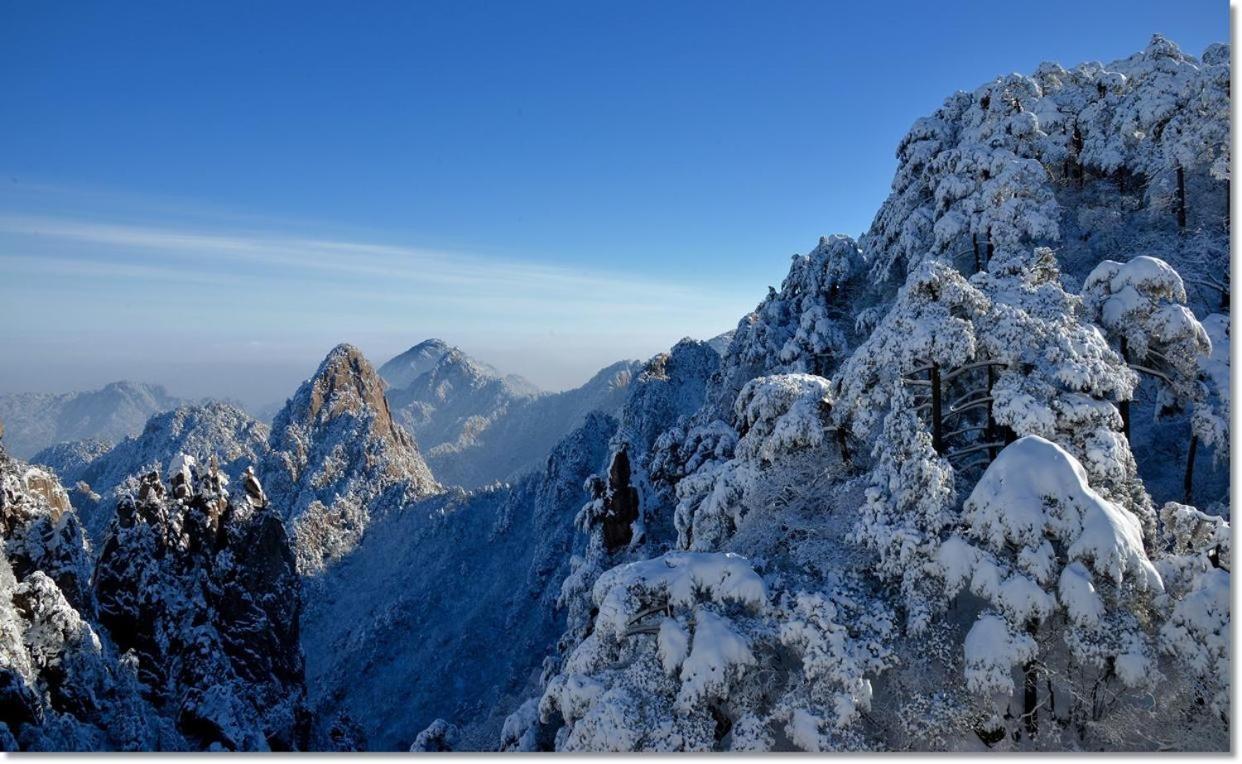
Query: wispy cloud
[[167, 250]]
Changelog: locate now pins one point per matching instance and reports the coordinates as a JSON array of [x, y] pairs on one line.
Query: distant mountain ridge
[[477, 425], [34, 421]]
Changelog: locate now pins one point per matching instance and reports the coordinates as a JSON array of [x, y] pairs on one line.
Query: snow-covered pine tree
[[1142, 306], [805, 327], [1068, 588]]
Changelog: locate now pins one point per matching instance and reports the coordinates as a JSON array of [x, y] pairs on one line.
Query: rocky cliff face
[[201, 587], [338, 458], [63, 684], [204, 431]]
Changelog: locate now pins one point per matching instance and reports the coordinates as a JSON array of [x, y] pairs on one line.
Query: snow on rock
[[203, 431], [201, 587], [63, 684], [439, 737]]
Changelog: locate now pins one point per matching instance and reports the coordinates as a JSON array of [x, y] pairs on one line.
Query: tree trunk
[[1181, 197], [843, 444], [991, 431], [937, 421], [974, 243], [1124, 406], [1030, 698], [991, 247], [1188, 483], [1077, 143]]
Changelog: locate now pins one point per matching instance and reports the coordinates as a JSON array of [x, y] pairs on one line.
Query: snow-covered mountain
[[181, 633], [206, 431], [475, 424], [961, 484], [401, 370], [34, 421], [519, 439], [908, 514], [450, 405]]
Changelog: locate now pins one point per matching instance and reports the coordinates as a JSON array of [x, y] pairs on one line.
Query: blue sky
[[211, 195]]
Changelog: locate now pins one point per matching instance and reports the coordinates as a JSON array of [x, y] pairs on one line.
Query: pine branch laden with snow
[[932, 321], [1214, 403], [1141, 303], [908, 506], [1196, 571]]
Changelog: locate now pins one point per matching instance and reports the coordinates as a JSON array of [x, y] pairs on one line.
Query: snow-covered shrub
[[803, 328], [1197, 575], [684, 656]]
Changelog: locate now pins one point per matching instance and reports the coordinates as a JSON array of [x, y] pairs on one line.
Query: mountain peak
[[345, 381], [404, 368], [436, 355], [335, 449]]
